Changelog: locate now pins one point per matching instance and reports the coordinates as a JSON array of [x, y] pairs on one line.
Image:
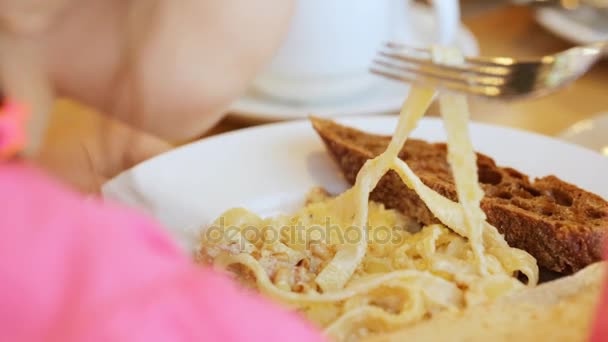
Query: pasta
[[355, 268]]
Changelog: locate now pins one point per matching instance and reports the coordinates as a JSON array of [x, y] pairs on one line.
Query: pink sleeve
[[76, 270]]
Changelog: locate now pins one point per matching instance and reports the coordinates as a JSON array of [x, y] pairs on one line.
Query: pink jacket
[[81, 270]]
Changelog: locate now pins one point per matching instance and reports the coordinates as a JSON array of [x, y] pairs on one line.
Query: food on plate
[[561, 225], [357, 268], [403, 278], [558, 311]]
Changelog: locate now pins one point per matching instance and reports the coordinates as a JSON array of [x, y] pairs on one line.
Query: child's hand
[[169, 67]]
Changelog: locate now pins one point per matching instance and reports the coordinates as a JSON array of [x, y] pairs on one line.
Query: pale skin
[[168, 69]]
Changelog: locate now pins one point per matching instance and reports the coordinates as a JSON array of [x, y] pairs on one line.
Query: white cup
[[331, 44]]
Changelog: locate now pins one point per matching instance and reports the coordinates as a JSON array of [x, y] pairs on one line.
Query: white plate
[[270, 168], [386, 97], [581, 26]]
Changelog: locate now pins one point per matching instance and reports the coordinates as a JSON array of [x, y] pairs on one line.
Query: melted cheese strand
[[335, 275], [462, 158], [452, 215], [442, 290], [372, 315]]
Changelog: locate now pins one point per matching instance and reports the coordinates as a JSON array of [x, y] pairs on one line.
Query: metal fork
[[494, 77]]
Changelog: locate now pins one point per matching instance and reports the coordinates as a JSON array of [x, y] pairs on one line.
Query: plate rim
[[149, 188], [346, 120]]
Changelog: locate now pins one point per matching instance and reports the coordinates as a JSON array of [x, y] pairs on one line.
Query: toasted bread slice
[[561, 225], [562, 310]]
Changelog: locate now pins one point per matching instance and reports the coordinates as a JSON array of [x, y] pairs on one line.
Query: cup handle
[[447, 17]]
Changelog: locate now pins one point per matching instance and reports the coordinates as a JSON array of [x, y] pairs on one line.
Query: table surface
[[510, 31]]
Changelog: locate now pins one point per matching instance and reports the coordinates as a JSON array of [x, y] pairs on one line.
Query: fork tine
[[484, 69], [480, 61], [462, 86], [491, 71], [431, 71]]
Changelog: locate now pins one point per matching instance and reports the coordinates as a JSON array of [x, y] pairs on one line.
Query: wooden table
[[511, 31]]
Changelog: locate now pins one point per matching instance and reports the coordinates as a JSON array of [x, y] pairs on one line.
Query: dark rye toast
[[561, 225]]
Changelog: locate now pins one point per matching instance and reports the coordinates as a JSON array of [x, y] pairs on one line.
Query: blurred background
[[498, 29]]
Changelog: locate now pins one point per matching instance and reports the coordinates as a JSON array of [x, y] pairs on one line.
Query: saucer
[[385, 97], [581, 26], [590, 133]]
